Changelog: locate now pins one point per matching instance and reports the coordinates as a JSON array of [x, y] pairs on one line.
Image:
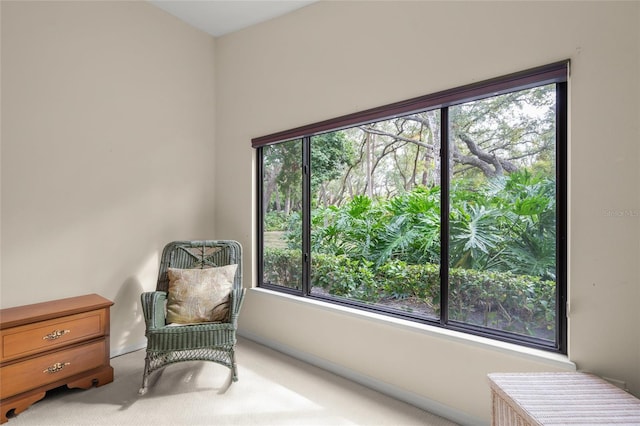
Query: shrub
[[344, 277], [274, 221], [283, 267], [502, 300]]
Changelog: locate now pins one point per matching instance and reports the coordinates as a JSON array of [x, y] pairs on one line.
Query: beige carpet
[[273, 389]]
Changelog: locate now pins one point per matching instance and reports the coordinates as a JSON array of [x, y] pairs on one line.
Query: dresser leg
[[18, 405], [98, 378]]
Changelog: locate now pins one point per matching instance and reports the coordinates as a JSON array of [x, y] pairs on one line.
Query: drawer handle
[[58, 366], [56, 334]]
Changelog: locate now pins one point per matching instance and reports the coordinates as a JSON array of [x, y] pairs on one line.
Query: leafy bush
[[283, 267], [503, 300], [519, 303], [502, 251], [506, 225], [401, 280], [274, 221], [344, 277]]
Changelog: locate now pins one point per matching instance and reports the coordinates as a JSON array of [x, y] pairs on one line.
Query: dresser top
[[20, 315]]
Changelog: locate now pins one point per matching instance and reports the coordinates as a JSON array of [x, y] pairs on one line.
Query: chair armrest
[[153, 308], [235, 304]]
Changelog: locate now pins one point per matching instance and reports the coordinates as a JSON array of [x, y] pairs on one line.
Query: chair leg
[[234, 368], [145, 376]]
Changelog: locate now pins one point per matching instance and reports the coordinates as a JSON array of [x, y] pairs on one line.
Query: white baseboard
[[370, 382], [126, 349]]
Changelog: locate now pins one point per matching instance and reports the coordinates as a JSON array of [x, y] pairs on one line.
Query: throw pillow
[[199, 295]]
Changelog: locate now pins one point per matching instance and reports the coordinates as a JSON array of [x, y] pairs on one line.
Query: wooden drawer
[[50, 367], [18, 342], [50, 344]]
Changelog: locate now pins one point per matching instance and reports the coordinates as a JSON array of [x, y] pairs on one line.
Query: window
[[447, 209]]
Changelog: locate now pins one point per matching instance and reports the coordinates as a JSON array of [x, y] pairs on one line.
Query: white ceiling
[[219, 17]]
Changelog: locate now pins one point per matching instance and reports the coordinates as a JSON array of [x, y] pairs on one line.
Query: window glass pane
[[375, 214], [502, 230], [282, 209]]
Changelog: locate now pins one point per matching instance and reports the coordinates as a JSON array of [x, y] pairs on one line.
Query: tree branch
[[396, 137], [500, 165]]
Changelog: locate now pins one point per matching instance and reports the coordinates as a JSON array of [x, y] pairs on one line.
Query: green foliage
[[533, 200], [411, 228], [274, 221], [283, 267], [330, 153], [402, 280], [506, 225], [344, 277], [502, 250], [282, 163], [474, 234], [518, 303], [349, 230]]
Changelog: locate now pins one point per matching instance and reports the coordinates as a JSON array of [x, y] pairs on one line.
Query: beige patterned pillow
[[199, 295]]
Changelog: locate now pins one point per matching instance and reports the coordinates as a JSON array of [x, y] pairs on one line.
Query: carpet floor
[[273, 389]]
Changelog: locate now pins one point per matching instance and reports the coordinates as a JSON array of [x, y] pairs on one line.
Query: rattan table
[[523, 399]]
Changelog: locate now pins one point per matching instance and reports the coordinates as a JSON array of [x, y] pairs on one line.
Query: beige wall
[[334, 58], [109, 114], [107, 150]]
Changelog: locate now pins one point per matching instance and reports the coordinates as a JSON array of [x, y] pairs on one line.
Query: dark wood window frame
[[555, 73]]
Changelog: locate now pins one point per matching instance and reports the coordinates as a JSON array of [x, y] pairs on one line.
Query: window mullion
[[306, 215], [444, 216], [260, 216]]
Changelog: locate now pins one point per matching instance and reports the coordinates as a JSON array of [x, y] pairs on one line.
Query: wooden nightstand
[[50, 344]]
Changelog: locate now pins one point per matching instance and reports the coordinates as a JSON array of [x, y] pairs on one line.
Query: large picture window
[[447, 209]]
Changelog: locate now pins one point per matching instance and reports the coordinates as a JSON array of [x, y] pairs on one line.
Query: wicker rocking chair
[[206, 341]]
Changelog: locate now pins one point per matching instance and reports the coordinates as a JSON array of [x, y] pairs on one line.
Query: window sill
[[548, 358]]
